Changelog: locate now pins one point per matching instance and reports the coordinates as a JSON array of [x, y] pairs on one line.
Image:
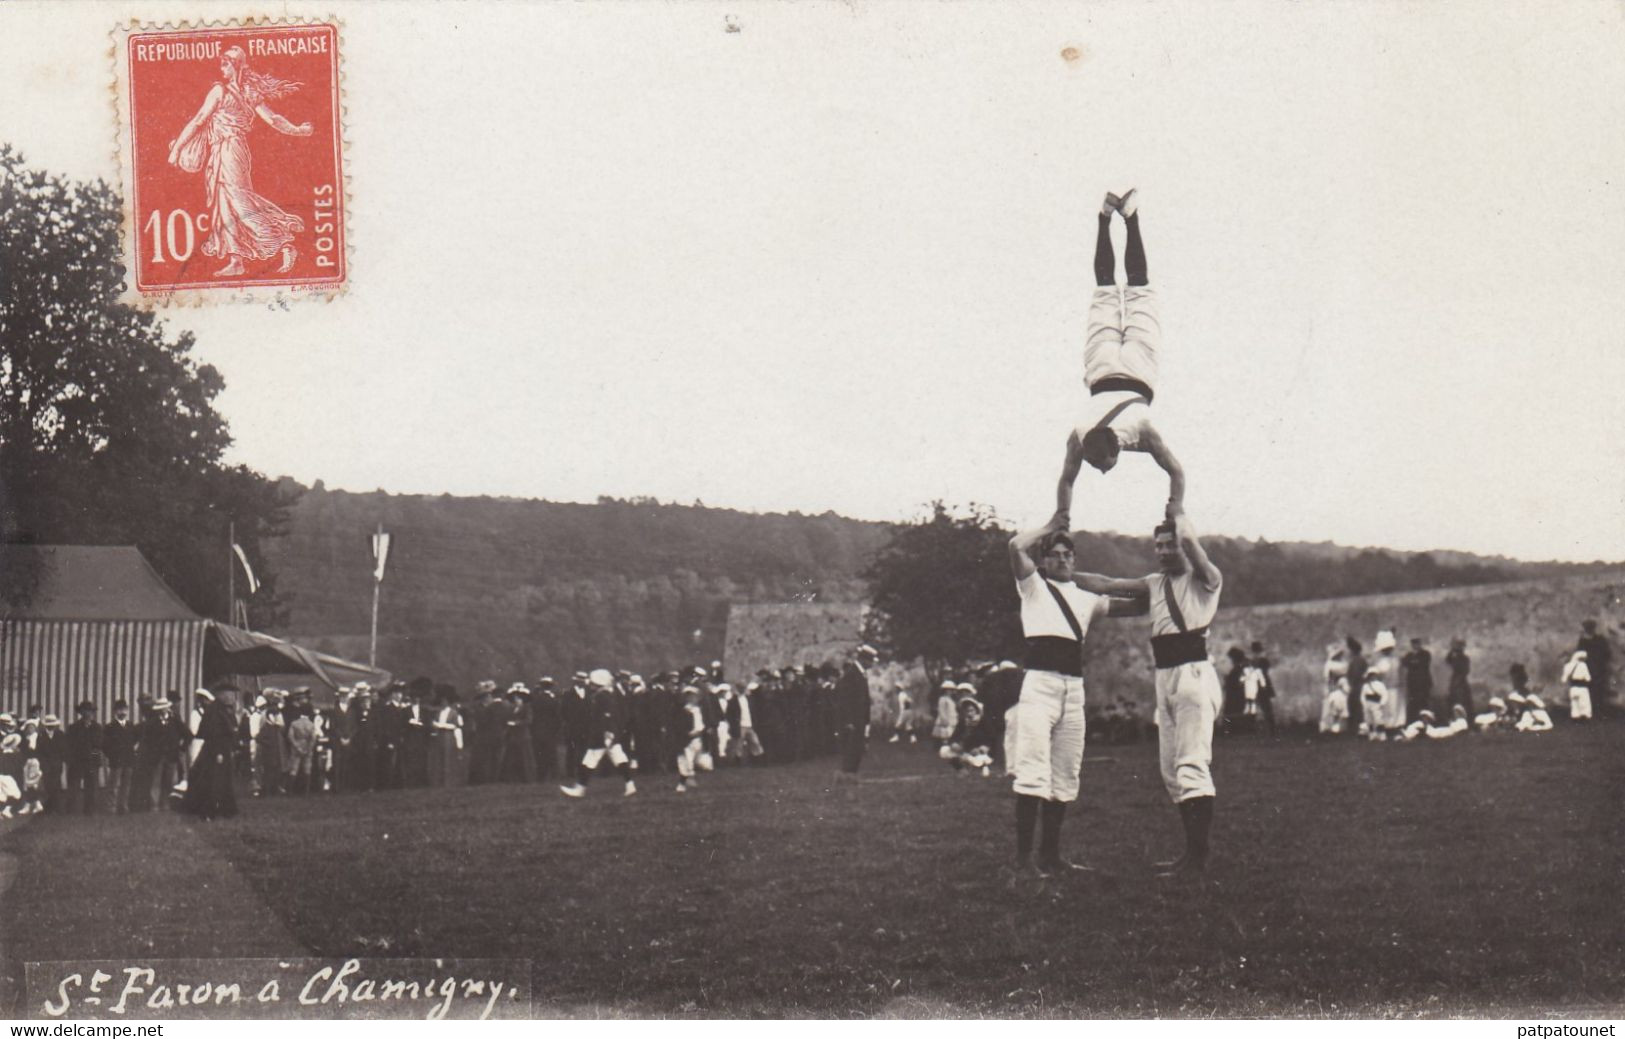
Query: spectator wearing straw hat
[[210, 793], [519, 748]]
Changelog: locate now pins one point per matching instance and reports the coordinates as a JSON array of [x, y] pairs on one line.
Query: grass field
[[1478, 877]]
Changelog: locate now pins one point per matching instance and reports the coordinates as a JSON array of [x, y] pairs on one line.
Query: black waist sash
[[1118, 382], [1053, 653], [1182, 647]]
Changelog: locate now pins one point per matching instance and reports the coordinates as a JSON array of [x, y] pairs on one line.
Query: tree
[[108, 432], [941, 589]]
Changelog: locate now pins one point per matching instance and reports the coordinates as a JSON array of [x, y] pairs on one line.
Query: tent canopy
[[97, 622], [234, 651], [84, 583]]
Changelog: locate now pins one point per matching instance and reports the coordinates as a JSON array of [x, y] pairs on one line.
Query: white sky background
[[841, 259]]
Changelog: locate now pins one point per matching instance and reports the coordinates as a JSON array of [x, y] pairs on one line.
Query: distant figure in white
[[1387, 714], [905, 716], [243, 225], [1577, 676], [1334, 712]]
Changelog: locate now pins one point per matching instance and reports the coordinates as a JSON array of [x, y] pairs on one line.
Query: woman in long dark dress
[[209, 790]]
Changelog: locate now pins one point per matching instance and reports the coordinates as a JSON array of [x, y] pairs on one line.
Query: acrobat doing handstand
[[1120, 363]]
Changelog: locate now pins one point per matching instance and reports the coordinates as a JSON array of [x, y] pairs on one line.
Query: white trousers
[[1579, 702], [1334, 713], [617, 756], [1189, 700], [1125, 335], [689, 756], [1047, 736]]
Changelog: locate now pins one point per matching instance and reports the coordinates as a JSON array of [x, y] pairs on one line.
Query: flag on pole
[[248, 571], [380, 554]]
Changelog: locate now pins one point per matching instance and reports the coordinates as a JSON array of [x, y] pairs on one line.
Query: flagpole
[[372, 652], [231, 572]]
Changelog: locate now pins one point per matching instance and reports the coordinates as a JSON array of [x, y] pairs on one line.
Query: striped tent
[[97, 623]]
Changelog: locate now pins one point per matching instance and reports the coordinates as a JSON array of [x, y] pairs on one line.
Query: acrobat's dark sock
[[1133, 253], [1026, 821], [1105, 259], [1049, 842]]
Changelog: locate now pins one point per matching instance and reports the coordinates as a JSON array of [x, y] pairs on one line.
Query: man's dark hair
[[1060, 537], [1165, 527], [1353, 644], [1100, 441]]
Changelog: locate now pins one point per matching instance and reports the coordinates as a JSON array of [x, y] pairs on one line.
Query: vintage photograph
[[812, 510]]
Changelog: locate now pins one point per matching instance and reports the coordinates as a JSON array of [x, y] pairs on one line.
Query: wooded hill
[[509, 589]]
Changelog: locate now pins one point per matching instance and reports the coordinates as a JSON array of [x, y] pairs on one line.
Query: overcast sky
[[841, 258]]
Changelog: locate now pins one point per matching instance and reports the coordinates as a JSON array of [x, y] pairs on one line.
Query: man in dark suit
[[119, 744], [84, 757], [852, 707], [53, 753], [1357, 668], [1418, 669], [545, 722], [390, 758], [577, 718], [606, 732], [361, 752]]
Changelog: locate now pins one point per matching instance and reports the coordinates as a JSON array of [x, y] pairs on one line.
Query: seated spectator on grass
[[1529, 709], [969, 748], [1427, 726], [1497, 717]]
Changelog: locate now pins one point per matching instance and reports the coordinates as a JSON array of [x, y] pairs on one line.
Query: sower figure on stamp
[[1119, 362], [1046, 741], [1183, 597], [242, 223]]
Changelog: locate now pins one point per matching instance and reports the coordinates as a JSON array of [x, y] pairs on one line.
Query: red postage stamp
[[232, 155]]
